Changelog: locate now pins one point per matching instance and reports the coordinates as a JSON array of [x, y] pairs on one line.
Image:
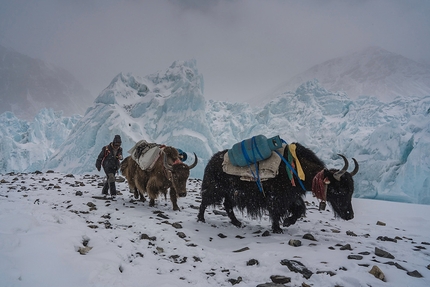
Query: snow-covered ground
[[47, 220]]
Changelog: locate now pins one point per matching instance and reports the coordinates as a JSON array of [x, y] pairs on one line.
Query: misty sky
[[243, 48]]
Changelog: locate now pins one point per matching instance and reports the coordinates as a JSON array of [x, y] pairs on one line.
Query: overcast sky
[[243, 48]]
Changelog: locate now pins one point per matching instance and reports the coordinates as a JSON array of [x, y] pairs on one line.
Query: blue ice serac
[[254, 149]]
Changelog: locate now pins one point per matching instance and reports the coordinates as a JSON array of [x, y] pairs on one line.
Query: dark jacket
[[108, 160]]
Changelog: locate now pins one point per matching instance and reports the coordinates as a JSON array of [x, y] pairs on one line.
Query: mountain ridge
[[28, 85], [372, 71]]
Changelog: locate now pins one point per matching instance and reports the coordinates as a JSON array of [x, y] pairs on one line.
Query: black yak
[[283, 201]]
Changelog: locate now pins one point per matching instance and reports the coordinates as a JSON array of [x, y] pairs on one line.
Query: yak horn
[[338, 174], [166, 165], [193, 165], [354, 172]]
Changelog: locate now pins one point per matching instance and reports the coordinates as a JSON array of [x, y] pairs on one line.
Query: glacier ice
[[391, 141]]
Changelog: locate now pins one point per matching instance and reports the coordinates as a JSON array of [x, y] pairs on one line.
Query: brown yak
[[167, 172]]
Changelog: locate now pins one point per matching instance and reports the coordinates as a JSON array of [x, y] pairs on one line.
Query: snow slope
[[48, 220]]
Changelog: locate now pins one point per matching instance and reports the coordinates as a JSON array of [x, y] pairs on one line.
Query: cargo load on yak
[[145, 154], [258, 159]]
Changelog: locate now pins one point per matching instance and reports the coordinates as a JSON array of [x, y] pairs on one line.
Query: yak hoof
[[289, 221], [277, 230], [236, 223], [201, 219]]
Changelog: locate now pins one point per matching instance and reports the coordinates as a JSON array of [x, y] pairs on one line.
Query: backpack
[[107, 152]]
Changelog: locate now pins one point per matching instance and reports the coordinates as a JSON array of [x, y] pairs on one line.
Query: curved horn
[[338, 174], [165, 163], [193, 165], [354, 172]]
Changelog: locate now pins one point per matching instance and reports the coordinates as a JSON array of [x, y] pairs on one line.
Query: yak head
[[340, 187], [178, 173]]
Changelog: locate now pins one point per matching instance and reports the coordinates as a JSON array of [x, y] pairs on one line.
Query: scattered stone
[[309, 236], [177, 259], [346, 247], [145, 236], [162, 215], [397, 265], [355, 257], [415, 274], [220, 235], [217, 212], [382, 253], [85, 241], [92, 206], [350, 233], [159, 249], [425, 243], [265, 233], [335, 231], [235, 281], [252, 262], [197, 259], [364, 253], [428, 267], [280, 279], [295, 242], [84, 250], [241, 250], [79, 193], [140, 254], [177, 225], [181, 235], [239, 237], [375, 271], [385, 238], [380, 223], [298, 267]]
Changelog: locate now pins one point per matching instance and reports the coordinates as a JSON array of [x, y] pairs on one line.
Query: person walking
[[110, 158]]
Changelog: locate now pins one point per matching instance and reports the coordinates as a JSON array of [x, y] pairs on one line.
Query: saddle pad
[[267, 168]]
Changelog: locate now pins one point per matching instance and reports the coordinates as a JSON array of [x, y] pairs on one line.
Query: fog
[[243, 48]]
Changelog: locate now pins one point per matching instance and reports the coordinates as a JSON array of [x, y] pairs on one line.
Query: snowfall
[[53, 232]]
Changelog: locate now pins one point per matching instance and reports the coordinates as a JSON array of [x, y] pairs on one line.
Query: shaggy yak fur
[[168, 172], [283, 201]]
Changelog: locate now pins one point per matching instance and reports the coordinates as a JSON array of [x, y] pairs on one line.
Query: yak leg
[[275, 223], [298, 209], [206, 201], [139, 195], [153, 189], [174, 199], [201, 215], [228, 205]]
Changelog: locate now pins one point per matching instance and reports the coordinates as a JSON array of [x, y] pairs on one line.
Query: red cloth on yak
[[318, 186]]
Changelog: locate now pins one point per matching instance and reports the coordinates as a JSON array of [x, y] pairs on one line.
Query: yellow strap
[[292, 148]]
